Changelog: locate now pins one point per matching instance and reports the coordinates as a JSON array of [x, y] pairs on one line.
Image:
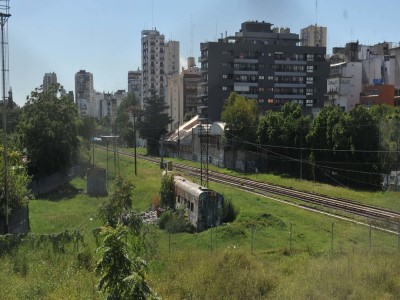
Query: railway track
[[388, 217]]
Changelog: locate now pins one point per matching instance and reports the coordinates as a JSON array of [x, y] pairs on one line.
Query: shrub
[[84, 259], [175, 222], [167, 191]]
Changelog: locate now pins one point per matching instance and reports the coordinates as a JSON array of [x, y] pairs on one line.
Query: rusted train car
[[202, 205]]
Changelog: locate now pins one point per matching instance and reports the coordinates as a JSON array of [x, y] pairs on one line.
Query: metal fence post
[[290, 243]]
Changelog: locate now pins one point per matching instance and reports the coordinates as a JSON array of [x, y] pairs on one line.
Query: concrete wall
[[96, 183], [18, 222]]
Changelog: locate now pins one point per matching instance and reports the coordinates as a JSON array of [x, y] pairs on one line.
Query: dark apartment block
[[265, 64]]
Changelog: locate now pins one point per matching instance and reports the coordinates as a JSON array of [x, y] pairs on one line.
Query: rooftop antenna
[[316, 12], [152, 14], [191, 34]]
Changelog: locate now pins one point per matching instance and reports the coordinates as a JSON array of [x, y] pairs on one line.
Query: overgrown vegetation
[[167, 191], [175, 222], [122, 277], [48, 130], [353, 149], [310, 269]]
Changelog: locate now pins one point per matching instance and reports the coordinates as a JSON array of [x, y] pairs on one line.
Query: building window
[[309, 102], [261, 89], [224, 76], [310, 92], [270, 101], [310, 57], [224, 88], [270, 77], [310, 68], [261, 77], [310, 80]]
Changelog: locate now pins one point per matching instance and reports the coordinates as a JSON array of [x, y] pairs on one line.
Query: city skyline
[[67, 36]]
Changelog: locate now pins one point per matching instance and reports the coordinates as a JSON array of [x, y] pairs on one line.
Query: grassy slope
[[190, 271]]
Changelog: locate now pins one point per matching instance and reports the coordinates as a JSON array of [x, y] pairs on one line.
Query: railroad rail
[[389, 217]]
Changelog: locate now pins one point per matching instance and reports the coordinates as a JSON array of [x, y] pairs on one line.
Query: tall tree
[[154, 122], [123, 125], [48, 130], [320, 136], [241, 118]]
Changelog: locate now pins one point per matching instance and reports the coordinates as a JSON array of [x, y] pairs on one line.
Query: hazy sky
[[103, 37]]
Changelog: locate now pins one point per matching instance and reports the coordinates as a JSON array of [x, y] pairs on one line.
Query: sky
[[103, 37]]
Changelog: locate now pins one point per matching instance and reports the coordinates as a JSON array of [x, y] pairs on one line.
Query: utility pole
[[204, 151], [178, 141], [3, 20], [134, 143]]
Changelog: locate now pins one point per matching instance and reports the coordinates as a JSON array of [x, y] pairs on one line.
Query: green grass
[[185, 268], [385, 199]]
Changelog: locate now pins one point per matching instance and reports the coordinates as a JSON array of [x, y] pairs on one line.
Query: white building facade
[[158, 60], [344, 85]]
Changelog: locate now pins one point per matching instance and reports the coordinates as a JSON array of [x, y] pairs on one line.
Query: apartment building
[[48, 79], [159, 59], [344, 85], [84, 93], [135, 83], [313, 36], [265, 64]]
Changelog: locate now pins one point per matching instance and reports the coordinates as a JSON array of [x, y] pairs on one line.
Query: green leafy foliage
[[118, 208], [18, 181], [87, 128], [241, 118], [282, 135], [175, 222], [123, 125], [48, 130], [167, 191], [154, 122], [121, 277]]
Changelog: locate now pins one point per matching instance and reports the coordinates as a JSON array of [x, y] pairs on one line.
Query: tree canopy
[[48, 131], [241, 118], [123, 125], [154, 122]]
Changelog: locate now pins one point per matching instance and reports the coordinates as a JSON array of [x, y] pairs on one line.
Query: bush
[[84, 259], [175, 222]]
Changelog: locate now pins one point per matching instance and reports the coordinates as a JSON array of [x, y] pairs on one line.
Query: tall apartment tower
[[84, 93], [265, 64], [171, 57], [313, 36], [158, 60], [135, 84], [48, 79]]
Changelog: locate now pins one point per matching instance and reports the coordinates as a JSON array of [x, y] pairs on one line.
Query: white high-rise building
[[158, 60], [48, 79], [84, 93], [313, 36]]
